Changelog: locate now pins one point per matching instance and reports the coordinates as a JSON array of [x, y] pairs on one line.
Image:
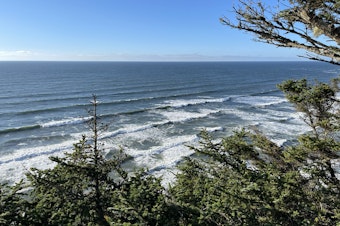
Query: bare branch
[[296, 24]]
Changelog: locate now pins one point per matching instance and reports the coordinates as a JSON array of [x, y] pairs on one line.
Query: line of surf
[[104, 103]]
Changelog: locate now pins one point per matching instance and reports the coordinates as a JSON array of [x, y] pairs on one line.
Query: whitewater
[[154, 110]]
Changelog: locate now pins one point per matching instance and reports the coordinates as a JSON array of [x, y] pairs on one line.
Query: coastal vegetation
[[242, 179]]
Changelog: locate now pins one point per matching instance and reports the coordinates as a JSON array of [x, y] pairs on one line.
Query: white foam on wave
[[273, 122], [157, 139], [197, 101], [27, 153], [14, 166], [279, 142], [273, 128], [169, 155], [260, 101], [212, 129], [173, 116], [281, 115], [166, 166], [181, 116], [162, 153], [170, 143], [131, 128], [15, 171], [67, 121], [247, 116]]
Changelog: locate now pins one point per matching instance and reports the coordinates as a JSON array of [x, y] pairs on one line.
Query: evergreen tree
[[13, 205], [85, 188], [80, 187], [246, 179]]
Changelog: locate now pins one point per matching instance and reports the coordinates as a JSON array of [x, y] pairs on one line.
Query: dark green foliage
[[13, 205], [141, 201], [236, 185], [252, 186], [245, 179], [67, 194], [315, 152], [316, 102], [77, 190], [85, 188]]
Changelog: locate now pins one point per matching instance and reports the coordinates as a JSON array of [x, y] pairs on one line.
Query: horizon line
[[164, 61]]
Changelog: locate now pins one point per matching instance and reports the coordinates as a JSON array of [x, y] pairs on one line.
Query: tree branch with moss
[[313, 26]]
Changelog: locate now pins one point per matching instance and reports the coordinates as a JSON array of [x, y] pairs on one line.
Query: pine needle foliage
[[85, 188], [246, 179], [242, 179]]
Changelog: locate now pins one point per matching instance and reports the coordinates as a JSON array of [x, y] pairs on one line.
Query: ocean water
[[153, 110]]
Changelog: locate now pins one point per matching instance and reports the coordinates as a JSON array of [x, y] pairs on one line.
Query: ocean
[[154, 110]]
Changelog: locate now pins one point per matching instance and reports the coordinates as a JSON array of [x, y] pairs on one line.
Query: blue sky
[[133, 30]]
